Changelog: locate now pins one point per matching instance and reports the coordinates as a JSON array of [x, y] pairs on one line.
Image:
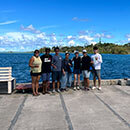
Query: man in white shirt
[[96, 60]]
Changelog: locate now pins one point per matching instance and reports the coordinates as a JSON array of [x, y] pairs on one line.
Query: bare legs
[[86, 83], [58, 85], [35, 84], [78, 83], [99, 82], [45, 85]]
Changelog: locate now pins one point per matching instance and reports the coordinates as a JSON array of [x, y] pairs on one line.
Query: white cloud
[[22, 48], [93, 43], [8, 22], [128, 35], [71, 43], [79, 19], [108, 36], [69, 37], [2, 49], [86, 38], [30, 28], [103, 35]]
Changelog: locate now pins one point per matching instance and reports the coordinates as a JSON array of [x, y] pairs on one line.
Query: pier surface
[[108, 109]]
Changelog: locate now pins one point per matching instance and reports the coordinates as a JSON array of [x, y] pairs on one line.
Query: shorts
[[56, 75], [35, 74], [45, 76], [77, 71], [96, 73], [86, 73]]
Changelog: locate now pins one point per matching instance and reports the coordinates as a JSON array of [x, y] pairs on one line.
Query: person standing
[[96, 60], [77, 69], [86, 62], [46, 70], [66, 79], [57, 69], [35, 63]]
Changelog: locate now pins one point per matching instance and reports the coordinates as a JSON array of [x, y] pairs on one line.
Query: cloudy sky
[[26, 25]]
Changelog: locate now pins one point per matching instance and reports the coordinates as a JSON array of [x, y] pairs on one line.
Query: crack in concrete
[[13, 122], [67, 117], [114, 112]]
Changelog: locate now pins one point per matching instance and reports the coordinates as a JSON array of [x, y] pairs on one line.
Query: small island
[[105, 48]]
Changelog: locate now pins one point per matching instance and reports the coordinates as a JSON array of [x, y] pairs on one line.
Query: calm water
[[113, 67]]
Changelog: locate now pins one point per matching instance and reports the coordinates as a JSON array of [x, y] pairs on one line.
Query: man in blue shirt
[[57, 69]]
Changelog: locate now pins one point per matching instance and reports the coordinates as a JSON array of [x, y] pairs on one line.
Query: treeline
[[105, 48]]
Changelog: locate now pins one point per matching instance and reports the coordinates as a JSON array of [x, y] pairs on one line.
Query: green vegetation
[[105, 48]]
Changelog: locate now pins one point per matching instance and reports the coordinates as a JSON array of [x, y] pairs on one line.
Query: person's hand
[[36, 66], [69, 64], [63, 72], [54, 67], [92, 62]]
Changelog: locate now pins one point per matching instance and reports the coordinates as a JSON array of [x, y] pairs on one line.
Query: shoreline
[[103, 82], [54, 53]]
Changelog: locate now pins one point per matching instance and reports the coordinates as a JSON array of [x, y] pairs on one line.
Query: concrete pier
[[108, 109]]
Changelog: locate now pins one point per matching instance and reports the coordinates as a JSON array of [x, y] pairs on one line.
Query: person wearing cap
[[97, 61], [35, 64], [77, 69], [66, 79], [86, 62], [46, 70]]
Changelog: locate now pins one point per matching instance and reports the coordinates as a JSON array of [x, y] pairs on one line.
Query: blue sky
[[29, 24]]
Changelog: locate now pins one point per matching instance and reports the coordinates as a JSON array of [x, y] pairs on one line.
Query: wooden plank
[[4, 71], [5, 74], [6, 67], [5, 77]]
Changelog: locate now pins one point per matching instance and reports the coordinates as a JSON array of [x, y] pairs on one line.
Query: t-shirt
[[65, 65], [57, 61], [77, 62], [46, 63], [97, 63], [86, 62]]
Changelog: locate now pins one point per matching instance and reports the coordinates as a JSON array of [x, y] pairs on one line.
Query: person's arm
[[63, 67], [31, 63], [92, 62], [53, 63], [99, 59]]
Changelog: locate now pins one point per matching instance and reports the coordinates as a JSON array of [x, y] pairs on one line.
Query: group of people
[[62, 70]]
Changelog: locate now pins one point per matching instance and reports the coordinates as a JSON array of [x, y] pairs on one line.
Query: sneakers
[[74, 88], [99, 88], [93, 87], [53, 91], [58, 90], [78, 88]]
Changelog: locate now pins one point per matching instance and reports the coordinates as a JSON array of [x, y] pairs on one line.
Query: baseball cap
[[84, 51], [76, 52], [67, 53]]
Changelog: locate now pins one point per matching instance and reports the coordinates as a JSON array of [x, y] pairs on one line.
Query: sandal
[[38, 94], [34, 94]]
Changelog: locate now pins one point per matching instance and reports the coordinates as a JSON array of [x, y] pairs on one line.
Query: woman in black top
[[77, 69]]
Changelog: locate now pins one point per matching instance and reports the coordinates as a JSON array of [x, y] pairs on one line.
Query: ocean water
[[113, 66]]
